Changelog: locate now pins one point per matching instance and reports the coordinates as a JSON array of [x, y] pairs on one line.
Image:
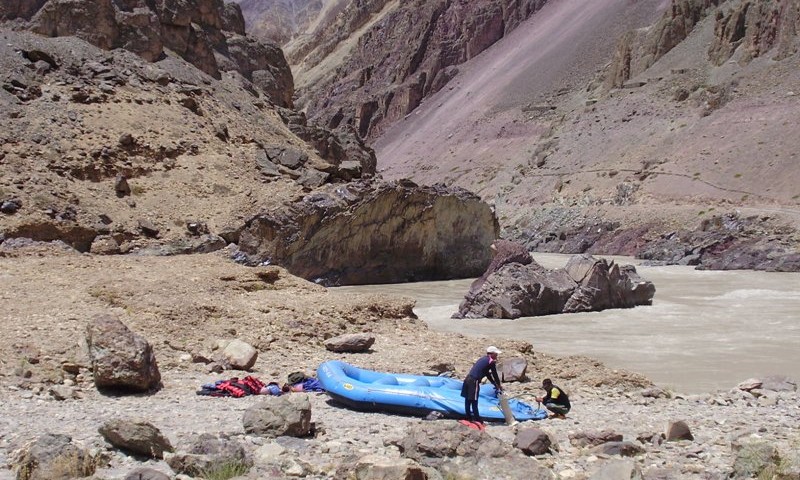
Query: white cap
[[493, 349]]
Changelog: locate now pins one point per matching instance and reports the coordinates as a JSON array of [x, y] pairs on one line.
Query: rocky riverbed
[[185, 305]]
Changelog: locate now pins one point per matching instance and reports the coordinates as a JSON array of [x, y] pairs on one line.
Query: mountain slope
[[560, 154]]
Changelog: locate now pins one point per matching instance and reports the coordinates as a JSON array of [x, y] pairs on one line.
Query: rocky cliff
[[283, 20], [375, 232], [376, 61], [207, 33]]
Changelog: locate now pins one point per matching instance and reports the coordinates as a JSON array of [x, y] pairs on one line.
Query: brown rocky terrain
[[122, 146]]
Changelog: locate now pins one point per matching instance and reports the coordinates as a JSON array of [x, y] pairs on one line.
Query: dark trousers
[[470, 392]]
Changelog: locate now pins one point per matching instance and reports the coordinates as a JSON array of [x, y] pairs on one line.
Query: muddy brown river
[[705, 330]]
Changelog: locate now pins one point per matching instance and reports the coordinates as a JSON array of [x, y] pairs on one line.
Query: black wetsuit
[[485, 367], [557, 400]]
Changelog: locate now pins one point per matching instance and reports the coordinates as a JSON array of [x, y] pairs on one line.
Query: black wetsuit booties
[[484, 367], [557, 400]]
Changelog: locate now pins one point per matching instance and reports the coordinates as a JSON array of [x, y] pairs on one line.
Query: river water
[[705, 331]]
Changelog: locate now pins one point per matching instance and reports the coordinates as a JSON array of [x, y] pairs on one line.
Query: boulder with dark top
[[120, 359], [585, 284]]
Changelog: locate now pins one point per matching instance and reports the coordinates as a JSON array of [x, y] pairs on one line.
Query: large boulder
[[603, 284], [375, 232], [120, 359], [585, 284]]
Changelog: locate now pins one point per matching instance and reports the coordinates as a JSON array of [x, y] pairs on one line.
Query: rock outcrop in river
[[375, 232], [528, 290]]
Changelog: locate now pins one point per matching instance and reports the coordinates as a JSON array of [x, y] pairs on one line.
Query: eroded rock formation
[[375, 232], [756, 27], [403, 52], [639, 49], [527, 290], [207, 33]]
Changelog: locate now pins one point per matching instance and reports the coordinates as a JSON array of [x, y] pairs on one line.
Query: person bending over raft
[[485, 367]]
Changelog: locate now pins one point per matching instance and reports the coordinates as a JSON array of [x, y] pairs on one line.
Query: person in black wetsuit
[[485, 367], [556, 400]]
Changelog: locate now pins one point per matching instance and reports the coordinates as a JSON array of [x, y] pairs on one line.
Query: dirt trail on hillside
[[557, 48]]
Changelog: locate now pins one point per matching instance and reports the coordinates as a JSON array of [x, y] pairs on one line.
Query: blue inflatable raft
[[368, 390]]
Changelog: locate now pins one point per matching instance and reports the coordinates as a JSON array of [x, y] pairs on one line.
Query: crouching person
[[555, 399]]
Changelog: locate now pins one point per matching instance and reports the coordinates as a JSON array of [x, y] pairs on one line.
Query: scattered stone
[[146, 473], [350, 343], [678, 431], [624, 449], [382, 467], [148, 228], [136, 436], [592, 439], [10, 207], [205, 452], [428, 440], [618, 470], [53, 457], [121, 186], [62, 392], [197, 228], [655, 392], [277, 416], [127, 140], [240, 355], [104, 245], [532, 441], [753, 457]]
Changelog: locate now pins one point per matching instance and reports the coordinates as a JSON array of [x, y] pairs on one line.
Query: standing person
[[556, 400], [485, 367]]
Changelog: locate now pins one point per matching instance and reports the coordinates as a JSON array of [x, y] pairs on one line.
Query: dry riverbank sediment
[[184, 305]]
